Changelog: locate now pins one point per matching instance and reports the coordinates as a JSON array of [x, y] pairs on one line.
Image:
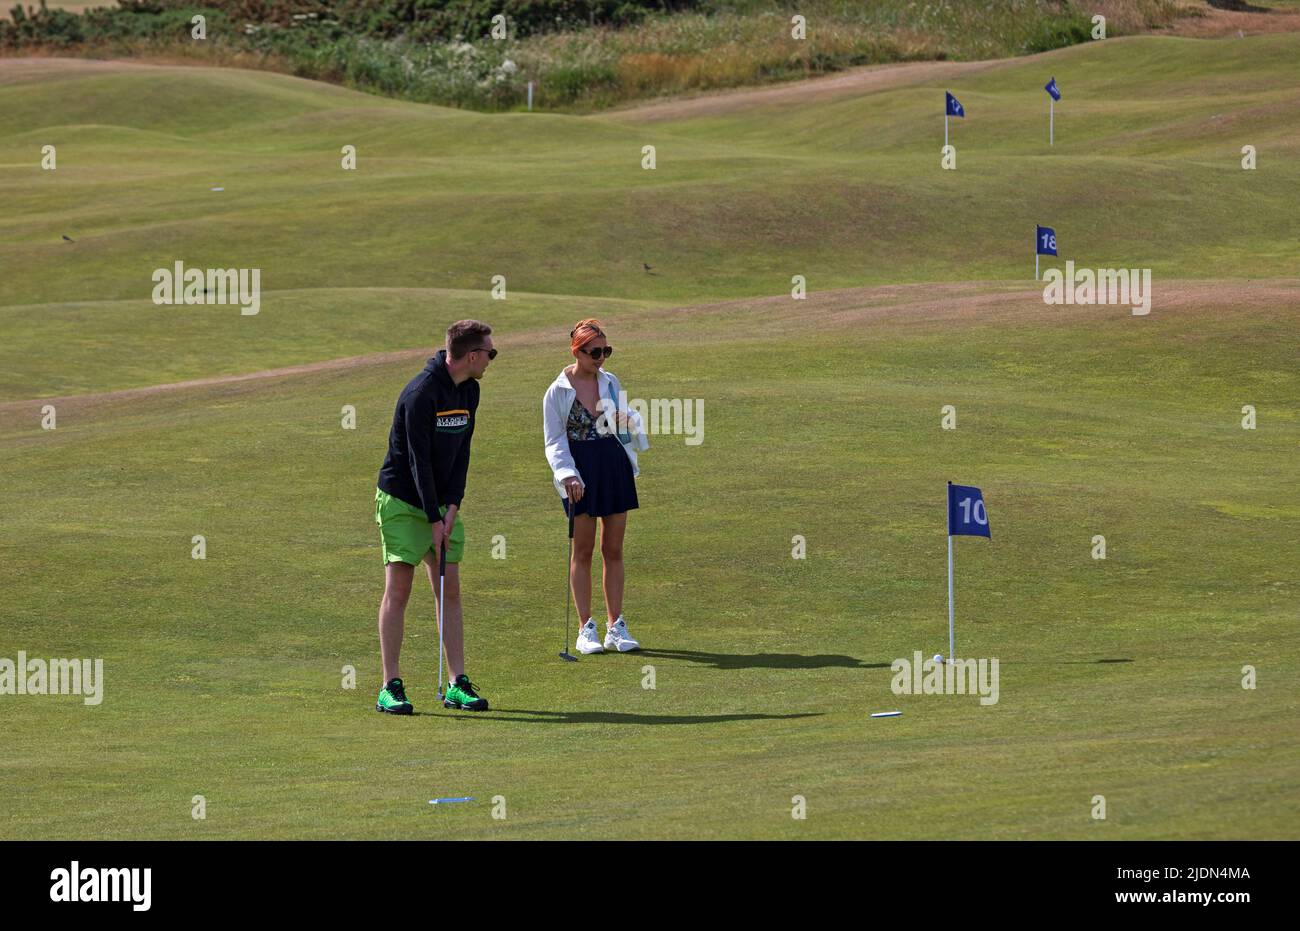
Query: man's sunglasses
[[492, 353], [599, 352]]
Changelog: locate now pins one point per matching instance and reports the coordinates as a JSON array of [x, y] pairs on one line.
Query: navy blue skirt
[[607, 474]]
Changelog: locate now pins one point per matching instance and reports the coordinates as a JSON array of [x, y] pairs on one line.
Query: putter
[[442, 577], [568, 592]]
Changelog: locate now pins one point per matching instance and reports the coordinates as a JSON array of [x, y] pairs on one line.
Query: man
[[417, 504]]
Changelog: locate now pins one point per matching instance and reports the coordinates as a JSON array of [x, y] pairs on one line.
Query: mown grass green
[[845, 192], [1119, 678]]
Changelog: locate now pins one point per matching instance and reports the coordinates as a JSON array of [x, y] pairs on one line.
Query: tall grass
[[722, 44]]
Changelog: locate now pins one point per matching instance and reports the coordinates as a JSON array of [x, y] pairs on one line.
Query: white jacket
[[555, 416]]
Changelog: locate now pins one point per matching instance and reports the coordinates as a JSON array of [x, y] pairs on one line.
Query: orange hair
[[585, 332]]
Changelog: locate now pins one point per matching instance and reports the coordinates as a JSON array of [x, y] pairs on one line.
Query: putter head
[[568, 657]]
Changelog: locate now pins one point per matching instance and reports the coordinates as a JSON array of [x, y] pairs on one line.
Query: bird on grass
[[68, 239]]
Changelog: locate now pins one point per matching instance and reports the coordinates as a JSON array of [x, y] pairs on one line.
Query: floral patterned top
[[581, 425]]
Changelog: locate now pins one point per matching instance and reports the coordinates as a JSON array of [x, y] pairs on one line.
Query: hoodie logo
[[453, 421]]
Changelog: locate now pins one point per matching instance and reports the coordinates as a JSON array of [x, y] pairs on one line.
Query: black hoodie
[[428, 446]]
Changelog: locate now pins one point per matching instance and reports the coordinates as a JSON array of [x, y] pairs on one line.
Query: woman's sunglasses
[[599, 352]]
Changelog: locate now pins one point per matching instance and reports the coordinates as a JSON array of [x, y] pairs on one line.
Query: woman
[[592, 452]]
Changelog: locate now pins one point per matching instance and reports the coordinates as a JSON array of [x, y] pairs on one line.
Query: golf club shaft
[[442, 578], [568, 582]]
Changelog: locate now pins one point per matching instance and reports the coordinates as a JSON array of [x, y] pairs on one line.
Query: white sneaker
[[587, 640], [617, 637]]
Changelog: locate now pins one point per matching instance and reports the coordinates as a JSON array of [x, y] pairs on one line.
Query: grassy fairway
[[1118, 678], [846, 191]]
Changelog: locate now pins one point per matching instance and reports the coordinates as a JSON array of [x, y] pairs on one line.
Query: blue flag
[[1045, 241], [954, 108], [966, 512], [1052, 89]]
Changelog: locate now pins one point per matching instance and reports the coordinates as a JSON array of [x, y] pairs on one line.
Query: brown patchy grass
[[1203, 21]]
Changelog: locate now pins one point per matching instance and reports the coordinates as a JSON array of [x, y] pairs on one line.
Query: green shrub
[[581, 53]]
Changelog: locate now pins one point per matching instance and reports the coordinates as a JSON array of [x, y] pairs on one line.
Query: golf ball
[[938, 659]]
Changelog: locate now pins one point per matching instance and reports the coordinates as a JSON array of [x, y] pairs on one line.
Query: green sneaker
[[461, 695], [392, 699]]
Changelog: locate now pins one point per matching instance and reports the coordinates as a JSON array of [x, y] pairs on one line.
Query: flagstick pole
[[1035, 254], [1051, 120], [951, 635], [945, 130]]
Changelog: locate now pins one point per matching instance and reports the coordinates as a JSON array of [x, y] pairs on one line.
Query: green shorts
[[407, 535]]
